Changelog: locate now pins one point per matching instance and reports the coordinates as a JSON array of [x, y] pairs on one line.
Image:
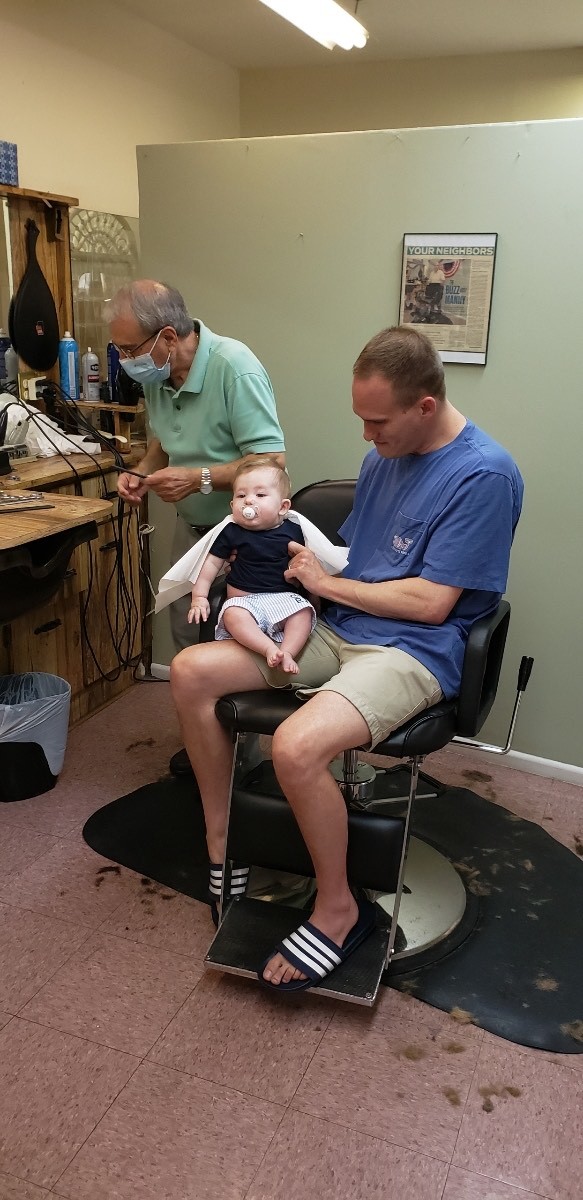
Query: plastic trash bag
[[35, 708]]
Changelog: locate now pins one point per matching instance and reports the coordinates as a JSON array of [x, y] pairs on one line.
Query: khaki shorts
[[386, 685]]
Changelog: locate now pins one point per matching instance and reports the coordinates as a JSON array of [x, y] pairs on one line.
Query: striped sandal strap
[[216, 880], [238, 880], [314, 954]]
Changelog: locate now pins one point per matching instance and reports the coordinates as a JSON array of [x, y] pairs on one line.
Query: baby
[[263, 611]]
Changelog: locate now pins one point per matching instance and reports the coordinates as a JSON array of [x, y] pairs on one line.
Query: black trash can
[[34, 720]]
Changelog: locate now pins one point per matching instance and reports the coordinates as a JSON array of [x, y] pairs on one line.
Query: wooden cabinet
[[97, 616], [95, 619], [51, 216]]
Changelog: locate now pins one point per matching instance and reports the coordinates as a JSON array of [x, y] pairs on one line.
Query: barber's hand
[[305, 568], [131, 489], [199, 610], [173, 483], [227, 565]]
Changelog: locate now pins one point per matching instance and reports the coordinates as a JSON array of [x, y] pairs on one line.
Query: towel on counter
[[41, 435], [180, 578]]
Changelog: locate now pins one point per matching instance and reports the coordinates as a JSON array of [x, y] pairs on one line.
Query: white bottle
[[11, 365], [90, 372]]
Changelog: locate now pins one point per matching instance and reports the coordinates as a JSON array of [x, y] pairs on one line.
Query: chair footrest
[[250, 928]]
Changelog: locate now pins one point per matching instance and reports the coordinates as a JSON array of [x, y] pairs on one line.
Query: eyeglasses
[[132, 351]]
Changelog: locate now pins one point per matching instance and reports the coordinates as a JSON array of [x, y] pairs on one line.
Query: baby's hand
[[199, 609]]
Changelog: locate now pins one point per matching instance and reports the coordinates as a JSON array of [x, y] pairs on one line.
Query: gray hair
[[154, 305]]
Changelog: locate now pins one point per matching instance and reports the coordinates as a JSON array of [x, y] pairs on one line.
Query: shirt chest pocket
[[402, 553]]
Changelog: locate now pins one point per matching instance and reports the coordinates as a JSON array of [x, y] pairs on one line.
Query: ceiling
[[245, 34]]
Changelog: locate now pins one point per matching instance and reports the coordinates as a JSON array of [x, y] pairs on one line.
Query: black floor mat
[[519, 973]]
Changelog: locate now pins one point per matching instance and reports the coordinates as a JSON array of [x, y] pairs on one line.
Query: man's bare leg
[[296, 632], [199, 676], [303, 747], [243, 627]]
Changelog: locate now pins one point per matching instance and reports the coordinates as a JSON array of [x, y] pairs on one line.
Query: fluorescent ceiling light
[[323, 20]]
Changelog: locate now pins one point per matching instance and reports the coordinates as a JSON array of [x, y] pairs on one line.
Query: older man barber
[[210, 404]]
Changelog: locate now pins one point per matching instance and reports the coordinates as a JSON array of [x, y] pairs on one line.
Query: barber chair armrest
[[263, 711], [256, 712], [481, 670], [430, 730]]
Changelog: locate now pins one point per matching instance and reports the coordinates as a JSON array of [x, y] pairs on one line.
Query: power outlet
[[27, 384]]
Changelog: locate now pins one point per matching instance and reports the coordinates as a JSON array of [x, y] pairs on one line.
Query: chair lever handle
[[524, 670]]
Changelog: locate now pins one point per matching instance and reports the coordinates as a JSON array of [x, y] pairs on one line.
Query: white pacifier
[[248, 512]]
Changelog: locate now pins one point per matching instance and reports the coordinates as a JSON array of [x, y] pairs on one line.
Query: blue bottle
[[112, 372], [4, 346], [69, 366]]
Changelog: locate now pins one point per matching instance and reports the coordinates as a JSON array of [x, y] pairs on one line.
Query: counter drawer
[[49, 639]]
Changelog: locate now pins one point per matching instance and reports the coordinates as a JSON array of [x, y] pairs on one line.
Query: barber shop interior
[[291, 844]]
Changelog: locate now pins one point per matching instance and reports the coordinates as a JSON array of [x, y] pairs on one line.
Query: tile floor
[[128, 1072]]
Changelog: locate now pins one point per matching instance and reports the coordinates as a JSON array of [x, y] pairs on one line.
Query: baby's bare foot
[[289, 664], [275, 657]]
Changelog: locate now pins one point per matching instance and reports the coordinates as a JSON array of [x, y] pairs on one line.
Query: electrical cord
[[123, 629], [69, 404]]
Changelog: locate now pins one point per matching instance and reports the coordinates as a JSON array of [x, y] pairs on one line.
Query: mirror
[[104, 256]]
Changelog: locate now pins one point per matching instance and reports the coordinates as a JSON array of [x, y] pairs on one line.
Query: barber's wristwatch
[[206, 483]]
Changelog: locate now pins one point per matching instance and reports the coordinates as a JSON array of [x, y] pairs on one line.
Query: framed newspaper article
[[446, 288]]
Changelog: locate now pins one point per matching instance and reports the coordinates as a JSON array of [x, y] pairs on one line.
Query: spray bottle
[[90, 368], [69, 366]]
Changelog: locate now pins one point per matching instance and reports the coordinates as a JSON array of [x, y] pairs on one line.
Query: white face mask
[[143, 369]]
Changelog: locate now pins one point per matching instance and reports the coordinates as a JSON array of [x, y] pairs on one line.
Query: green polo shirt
[[224, 410]]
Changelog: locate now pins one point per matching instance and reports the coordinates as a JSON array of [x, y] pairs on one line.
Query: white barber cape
[[180, 578]]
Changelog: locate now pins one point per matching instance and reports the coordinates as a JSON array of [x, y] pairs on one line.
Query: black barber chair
[[382, 857]]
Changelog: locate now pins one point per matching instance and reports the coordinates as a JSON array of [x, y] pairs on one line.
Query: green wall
[[293, 244]]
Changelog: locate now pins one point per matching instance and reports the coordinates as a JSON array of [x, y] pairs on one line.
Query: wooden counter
[[78, 634], [17, 528], [46, 472]]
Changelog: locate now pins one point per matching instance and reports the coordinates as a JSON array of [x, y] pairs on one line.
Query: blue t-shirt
[[262, 556], [448, 516]]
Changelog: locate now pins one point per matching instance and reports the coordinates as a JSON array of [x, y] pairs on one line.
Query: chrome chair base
[[432, 904]]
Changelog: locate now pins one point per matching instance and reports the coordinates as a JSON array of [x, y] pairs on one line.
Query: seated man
[[435, 509]]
